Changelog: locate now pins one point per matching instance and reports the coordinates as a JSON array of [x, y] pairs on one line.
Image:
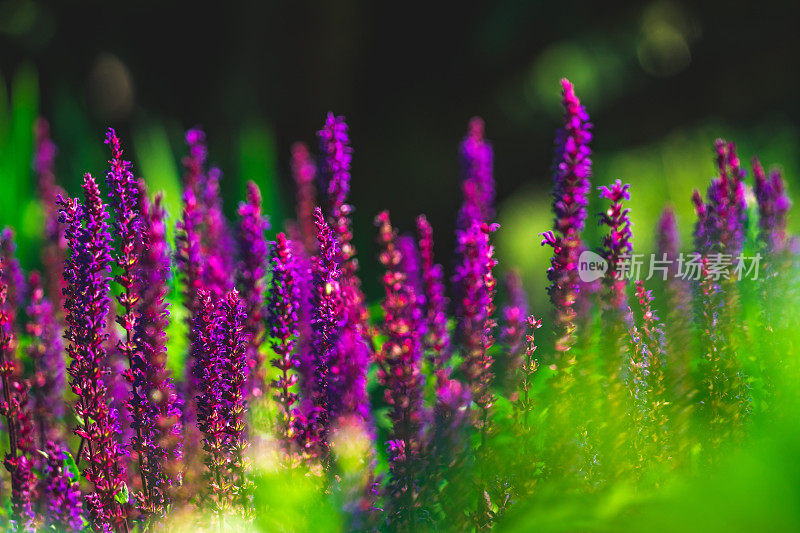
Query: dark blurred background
[[661, 80]]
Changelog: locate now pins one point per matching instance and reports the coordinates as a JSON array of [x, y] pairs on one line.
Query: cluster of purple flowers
[[453, 386]]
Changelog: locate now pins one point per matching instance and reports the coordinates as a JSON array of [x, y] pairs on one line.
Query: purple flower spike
[[572, 169], [514, 321], [211, 415], [284, 301], [45, 350], [55, 246], [437, 338], [773, 205], [399, 373], [158, 423], [721, 221], [18, 424], [87, 304], [234, 373], [326, 323], [475, 310], [617, 244], [304, 172], [62, 492], [478, 183], [15, 278], [195, 161], [254, 254]]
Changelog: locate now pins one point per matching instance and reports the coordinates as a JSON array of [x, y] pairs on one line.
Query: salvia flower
[[400, 373], [284, 301], [155, 403], [61, 491], [773, 205], [87, 303], [45, 351], [251, 282], [514, 316], [617, 245], [15, 278], [304, 172], [437, 336], [572, 169], [14, 408], [477, 185], [326, 323], [54, 246]]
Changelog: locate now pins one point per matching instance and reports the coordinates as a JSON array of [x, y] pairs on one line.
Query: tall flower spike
[[304, 172], [399, 373], [160, 418], [62, 492], [478, 183], [475, 312], [14, 408], [254, 255], [54, 246], [284, 301], [617, 245], [335, 157], [326, 322], [233, 369], [211, 416], [15, 278], [513, 326], [572, 169], [87, 304], [45, 351], [129, 229], [773, 205], [437, 337]]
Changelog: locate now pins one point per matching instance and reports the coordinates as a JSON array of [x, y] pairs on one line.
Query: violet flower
[[326, 322], [87, 303], [514, 316], [61, 492], [773, 205], [254, 254], [233, 370], [572, 169], [14, 408], [617, 245], [304, 172], [400, 374], [45, 351], [155, 399], [284, 301], [15, 278], [54, 246], [477, 186], [437, 337], [475, 310]]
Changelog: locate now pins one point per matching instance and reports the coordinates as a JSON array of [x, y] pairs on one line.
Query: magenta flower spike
[[475, 312], [62, 492], [54, 246], [437, 336], [400, 373], [211, 407], [15, 278], [513, 316], [45, 351], [18, 424], [87, 303], [617, 245], [478, 188], [251, 272], [326, 323], [773, 205], [304, 172], [284, 302], [572, 169]]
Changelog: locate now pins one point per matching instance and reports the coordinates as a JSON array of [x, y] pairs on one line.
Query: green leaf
[[69, 464], [122, 494]]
